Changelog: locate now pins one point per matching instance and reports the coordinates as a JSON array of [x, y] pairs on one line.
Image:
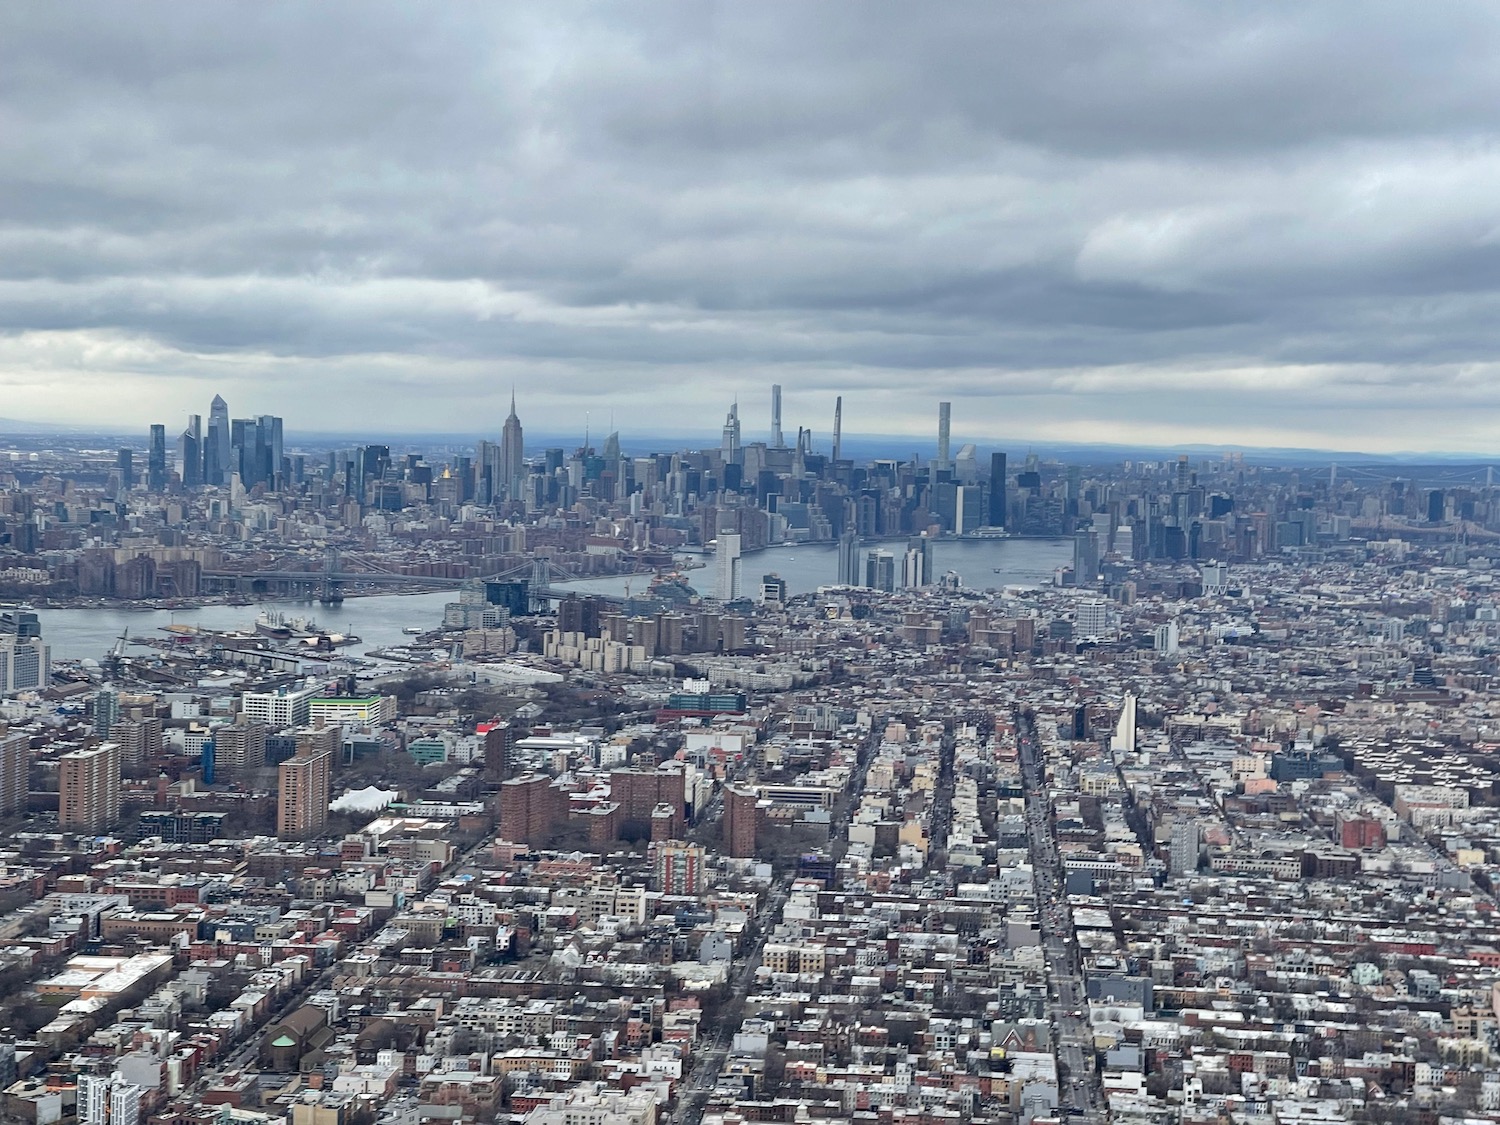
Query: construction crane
[[113, 659]]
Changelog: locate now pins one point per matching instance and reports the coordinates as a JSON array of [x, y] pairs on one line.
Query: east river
[[380, 621]]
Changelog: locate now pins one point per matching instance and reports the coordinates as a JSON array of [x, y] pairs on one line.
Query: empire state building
[[512, 454]]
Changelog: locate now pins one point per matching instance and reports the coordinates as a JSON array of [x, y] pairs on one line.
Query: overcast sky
[[1235, 223]]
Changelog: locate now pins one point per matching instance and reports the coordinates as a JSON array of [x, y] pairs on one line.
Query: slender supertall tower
[[945, 414], [216, 466], [838, 428], [776, 442]]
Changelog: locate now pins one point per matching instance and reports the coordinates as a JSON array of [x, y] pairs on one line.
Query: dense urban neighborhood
[[1201, 825]]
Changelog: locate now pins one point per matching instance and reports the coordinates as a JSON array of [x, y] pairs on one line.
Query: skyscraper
[[303, 784], [838, 428], [776, 439], [945, 414], [512, 456], [727, 564], [848, 574], [106, 710], [729, 445], [216, 464], [25, 659], [916, 568], [1085, 557], [156, 459], [256, 450], [880, 571], [89, 788], [125, 464], [190, 452], [269, 449], [998, 486]]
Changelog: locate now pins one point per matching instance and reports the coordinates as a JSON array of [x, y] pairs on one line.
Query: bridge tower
[[535, 602], [332, 593]]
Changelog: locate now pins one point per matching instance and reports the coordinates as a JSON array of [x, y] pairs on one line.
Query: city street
[[1078, 1086]]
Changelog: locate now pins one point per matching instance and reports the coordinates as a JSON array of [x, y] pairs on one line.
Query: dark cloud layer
[[1165, 222]]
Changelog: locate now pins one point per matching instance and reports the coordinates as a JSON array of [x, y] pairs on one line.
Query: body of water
[[980, 563], [79, 634], [379, 622]]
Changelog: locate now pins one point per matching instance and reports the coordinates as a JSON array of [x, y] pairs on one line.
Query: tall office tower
[[140, 740], [1085, 557], [366, 470], [106, 710], [1183, 479], [880, 571], [269, 450], [190, 452], [739, 821], [848, 558], [156, 459], [256, 450], [776, 439], [838, 428], [512, 466], [241, 451], [998, 486], [729, 444], [302, 786], [89, 788], [15, 762], [486, 467], [216, 465], [727, 564], [1435, 506], [945, 415], [966, 464], [916, 567], [125, 463], [239, 748], [25, 659]]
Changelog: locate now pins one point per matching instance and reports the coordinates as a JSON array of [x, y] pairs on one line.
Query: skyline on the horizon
[[1154, 226], [861, 444]]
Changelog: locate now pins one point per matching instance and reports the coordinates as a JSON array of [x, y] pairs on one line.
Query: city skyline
[[1167, 226], [750, 430]]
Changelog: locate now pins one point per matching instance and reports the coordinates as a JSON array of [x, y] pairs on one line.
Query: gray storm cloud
[[1162, 222]]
